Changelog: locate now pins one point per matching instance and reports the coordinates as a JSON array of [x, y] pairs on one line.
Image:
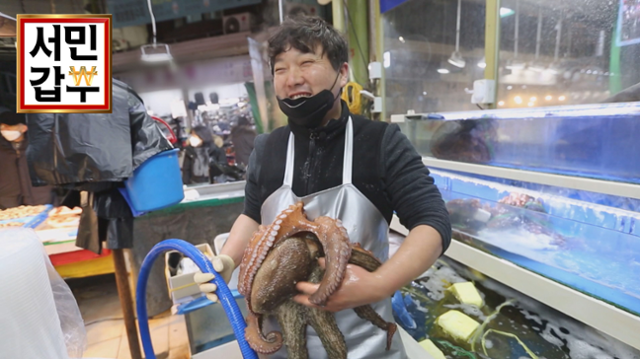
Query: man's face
[[22, 128], [297, 74]]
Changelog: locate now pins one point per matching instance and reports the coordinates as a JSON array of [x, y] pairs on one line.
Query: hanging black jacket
[[386, 169], [70, 148]]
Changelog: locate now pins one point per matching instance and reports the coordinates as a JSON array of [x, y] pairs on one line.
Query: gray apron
[[366, 225]]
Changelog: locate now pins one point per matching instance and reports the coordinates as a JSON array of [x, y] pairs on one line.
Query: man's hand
[[359, 287], [224, 265], [419, 251]]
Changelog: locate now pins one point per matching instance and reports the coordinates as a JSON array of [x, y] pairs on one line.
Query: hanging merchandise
[[351, 95]]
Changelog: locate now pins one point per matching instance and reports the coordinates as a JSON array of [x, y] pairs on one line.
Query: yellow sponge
[[458, 325], [467, 293], [432, 349]]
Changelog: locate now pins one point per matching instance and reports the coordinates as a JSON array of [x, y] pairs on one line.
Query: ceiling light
[[517, 100], [548, 98], [482, 64], [401, 39], [501, 103], [516, 66], [562, 98], [509, 87], [443, 71], [457, 60], [530, 104], [533, 99], [157, 56], [505, 11]]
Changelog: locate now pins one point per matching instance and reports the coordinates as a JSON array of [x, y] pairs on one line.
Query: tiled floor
[[106, 337]]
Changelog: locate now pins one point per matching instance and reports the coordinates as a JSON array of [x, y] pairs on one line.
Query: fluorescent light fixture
[[516, 66], [443, 71], [157, 56], [457, 60], [386, 59], [505, 11]]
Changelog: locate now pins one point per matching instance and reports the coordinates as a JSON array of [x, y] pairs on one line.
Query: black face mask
[[310, 111]]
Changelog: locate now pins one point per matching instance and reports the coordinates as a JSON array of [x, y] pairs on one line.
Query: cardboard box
[[182, 288]]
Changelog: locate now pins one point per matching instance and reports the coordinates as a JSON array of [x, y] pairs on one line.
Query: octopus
[[507, 215], [286, 252]]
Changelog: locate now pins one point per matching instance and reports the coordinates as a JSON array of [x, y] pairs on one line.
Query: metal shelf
[[590, 311], [580, 183]]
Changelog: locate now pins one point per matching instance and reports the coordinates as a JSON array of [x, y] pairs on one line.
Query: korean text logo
[[64, 64]]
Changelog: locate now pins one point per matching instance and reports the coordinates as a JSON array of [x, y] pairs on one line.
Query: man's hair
[[11, 118], [305, 33]]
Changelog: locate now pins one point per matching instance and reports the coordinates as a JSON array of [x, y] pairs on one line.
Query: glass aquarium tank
[[590, 247], [593, 141], [554, 191]]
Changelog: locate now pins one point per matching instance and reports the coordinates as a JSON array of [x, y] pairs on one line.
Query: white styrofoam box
[[182, 287]]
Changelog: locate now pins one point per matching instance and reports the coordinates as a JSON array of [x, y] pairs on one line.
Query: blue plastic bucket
[[156, 183]]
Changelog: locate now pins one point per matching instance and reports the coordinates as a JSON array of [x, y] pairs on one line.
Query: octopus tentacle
[[366, 312], [293, 321], [337, 249], [364, 258], [289, 222], [248, 254], [257, 341], [325, 325]]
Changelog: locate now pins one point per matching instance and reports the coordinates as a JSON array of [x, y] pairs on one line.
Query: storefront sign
[[130, 13], [64, 63]]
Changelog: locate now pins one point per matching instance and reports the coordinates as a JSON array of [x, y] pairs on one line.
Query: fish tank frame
[[570, 200]]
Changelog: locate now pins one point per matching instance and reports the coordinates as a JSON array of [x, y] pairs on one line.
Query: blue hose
[[224, 294]]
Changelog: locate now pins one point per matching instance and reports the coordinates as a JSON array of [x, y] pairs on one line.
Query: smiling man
[[342, 166]]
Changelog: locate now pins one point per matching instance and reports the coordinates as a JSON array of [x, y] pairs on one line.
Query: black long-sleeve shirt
[[386, 169]]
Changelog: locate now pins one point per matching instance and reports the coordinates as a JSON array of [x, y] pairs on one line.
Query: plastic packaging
[[71, 322], [39, 317]]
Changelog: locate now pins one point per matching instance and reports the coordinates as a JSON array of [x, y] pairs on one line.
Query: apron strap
[[288, 171], [348, 154]]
